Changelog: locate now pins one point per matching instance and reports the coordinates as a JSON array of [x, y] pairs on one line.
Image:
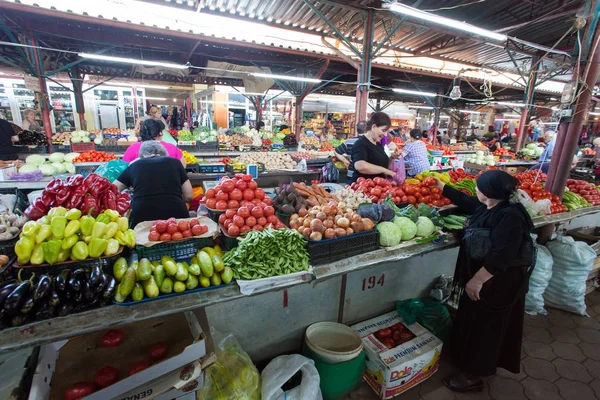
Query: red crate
[[82, 147]]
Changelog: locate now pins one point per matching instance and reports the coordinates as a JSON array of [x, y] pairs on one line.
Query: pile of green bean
[[268, 253]]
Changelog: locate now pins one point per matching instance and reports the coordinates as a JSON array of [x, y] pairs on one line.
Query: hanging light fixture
[[455, 93]]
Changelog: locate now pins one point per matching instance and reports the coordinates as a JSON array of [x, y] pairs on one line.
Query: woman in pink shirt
[[151, 129]]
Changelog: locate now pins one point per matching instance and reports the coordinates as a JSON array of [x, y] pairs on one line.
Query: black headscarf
[[497, 184]]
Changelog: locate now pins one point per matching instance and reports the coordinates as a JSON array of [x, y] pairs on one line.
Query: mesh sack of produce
[[538, 282], [432, 315], [573, 261], [232, 376]]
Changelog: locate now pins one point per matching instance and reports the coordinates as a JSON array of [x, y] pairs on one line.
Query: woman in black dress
[[369, 159], [492, 275], [160, 185]]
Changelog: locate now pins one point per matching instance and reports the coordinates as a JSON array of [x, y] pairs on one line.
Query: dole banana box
[[399, 356]]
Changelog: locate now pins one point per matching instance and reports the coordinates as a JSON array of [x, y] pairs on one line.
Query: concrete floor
[[560, 360]]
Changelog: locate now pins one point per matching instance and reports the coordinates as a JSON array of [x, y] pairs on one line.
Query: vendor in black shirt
[[160, 185], [7, 138], [344, 151], [369, 159]]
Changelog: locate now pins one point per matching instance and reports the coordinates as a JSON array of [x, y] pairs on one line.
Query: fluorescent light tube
[[451, 23], [132, 61], [594, 113], [286, 78], [511, 115], [155, 98], [424, 107], [417, 92], [469, 112]]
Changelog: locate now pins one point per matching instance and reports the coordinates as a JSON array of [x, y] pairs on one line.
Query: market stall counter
[[265, 179]]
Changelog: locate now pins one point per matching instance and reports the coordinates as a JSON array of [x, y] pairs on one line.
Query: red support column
[[364, 74], [564, 151], [43, 94]]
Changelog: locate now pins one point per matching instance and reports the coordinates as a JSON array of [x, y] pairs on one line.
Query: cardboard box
[[64, 363], [5, 173], [413, 357]]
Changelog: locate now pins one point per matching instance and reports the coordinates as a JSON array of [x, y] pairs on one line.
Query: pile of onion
[[329, 221]]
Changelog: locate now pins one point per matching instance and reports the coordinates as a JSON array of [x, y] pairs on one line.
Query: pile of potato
[[271, 160], [61, 137]]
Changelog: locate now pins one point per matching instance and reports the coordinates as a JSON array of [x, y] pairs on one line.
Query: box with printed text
[[399, 356]]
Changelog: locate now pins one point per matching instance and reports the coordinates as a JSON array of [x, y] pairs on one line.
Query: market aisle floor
[[560, 360]]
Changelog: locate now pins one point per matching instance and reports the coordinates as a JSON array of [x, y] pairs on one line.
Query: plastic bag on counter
[[232, 376], [302, 167], [534, 207], [112, 169], [432, 315], [330, 172], [400, 169], [573, 260], [282, 369], [538, 282]]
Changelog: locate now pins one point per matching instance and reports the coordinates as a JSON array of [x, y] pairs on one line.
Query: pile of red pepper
[[459, 174], [92, 195]]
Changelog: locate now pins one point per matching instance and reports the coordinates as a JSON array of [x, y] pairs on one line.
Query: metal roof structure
[[71, 28]]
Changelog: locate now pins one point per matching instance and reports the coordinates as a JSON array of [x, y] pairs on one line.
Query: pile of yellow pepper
[[66, 234]]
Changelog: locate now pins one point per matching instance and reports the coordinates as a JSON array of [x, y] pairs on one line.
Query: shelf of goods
[[48, 331]]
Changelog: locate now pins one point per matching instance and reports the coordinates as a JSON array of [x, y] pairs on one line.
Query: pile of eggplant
[[30, 138], [45, 297]]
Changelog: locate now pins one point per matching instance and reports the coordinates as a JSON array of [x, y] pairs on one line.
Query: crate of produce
[[180, 250], [7, 247], [110, 149], [105, 262], [330, 250], [33, 149], [213, 168], [82, 147], [210, 146], [61, 148], [229, 242], [21, 201]]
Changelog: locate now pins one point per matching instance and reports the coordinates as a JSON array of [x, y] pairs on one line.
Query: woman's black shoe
[[460, 383]]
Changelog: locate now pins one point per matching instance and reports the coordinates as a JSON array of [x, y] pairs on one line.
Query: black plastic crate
[[330, 250], [21, 201], [180, 250], [229, 242], [7, 247], [210, 146], [34, 149], [111, 149], [61, 148]]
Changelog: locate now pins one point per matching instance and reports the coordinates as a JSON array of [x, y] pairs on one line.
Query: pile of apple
[[172, 230], [232, 193], [247, 218]]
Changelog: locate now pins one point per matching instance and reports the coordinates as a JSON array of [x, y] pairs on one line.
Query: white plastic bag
[[573, 262], [537, 207], [540, 278], [281, 369]]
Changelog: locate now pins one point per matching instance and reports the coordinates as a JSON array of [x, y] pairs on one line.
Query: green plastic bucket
[[339, 379]]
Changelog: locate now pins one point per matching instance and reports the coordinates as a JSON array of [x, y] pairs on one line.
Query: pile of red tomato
[[378, 189], [531, 177], [586, 190], [245, 219], [171, 229], [394, 336], [236, 192]]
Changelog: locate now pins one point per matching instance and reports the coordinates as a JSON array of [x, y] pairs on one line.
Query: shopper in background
[[7, 138], [30, 124], [491, 278], [369, 159], [545, 165], [344, 150], [160, 185], [550, 140], [152, 129], [415, 153], [155, 113]]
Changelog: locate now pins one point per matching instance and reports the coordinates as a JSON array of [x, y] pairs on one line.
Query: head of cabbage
[[425, 227], [390, 234], [408, 228]]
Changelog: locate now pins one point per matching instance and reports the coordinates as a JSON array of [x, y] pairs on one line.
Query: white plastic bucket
[[333, 342]]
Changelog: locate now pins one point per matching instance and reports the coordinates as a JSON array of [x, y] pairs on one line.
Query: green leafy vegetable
[[390, 234], [408, 228]]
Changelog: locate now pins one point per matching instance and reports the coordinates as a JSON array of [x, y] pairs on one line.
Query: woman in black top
[[369, 159], [160, 185], [7, 138], [491, 277]]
